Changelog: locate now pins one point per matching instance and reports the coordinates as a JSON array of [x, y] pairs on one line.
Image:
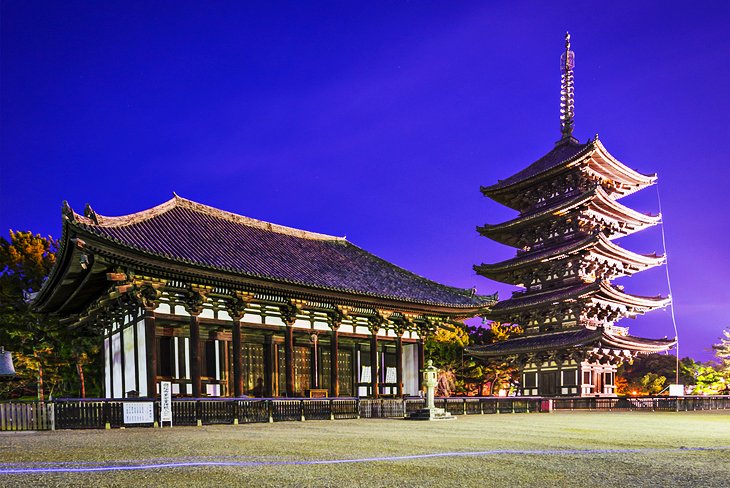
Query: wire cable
[[669, 281]]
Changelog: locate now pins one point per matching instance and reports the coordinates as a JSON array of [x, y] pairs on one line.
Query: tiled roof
[[542, 342], [204, 237], [570, 338], [566, 150], [598, 289]]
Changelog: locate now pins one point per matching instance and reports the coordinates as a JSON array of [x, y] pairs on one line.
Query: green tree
[[487, 377], [49, 358]]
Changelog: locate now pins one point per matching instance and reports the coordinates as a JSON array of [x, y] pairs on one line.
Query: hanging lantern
[[7, 370]]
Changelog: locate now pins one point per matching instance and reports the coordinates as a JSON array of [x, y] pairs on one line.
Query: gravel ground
[[560, 449]]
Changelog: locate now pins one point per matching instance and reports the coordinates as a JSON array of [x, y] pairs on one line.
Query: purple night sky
[[378, 121]]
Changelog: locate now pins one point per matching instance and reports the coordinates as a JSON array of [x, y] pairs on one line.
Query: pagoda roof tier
[[577, 338], [592, 158], [594, 245], [186, 238], [594, 203], [600, 291]]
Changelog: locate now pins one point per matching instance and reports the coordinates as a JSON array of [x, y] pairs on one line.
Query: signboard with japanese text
[[139, 412], [166, 402]]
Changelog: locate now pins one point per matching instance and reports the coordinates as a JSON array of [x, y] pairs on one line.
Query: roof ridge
[[249, 221], [179, 202]]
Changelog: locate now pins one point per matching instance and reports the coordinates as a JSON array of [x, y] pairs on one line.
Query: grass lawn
[[559, 449]]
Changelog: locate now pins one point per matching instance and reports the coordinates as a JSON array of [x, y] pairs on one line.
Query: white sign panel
[[676, 390], [365, 375], [139, 412], [390, 375], [165, 401]]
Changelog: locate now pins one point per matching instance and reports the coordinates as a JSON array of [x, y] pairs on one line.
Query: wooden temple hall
[[224, 305], [569, 218]]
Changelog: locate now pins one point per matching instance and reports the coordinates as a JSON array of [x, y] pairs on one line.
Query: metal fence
[[646, 404], [73, 413]]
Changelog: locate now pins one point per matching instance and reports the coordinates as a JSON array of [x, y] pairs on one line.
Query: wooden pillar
[[334, 364], [374, 370], [150, 352], [314, 348], [195, 355], [102, 360], [289, 359], [237, 358], [399, 362], [110, 362], [122, 363], [269, 365], [421, 362], [137, 379]]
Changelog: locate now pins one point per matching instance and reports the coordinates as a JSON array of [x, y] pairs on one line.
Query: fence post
[[357, 408], [301, 409], [198, 413], [236, 410], [52, 415], [106, 410], [332, 409], [270, 406]]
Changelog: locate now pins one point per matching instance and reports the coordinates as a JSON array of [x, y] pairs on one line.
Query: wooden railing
[[26, 416], [109, 413]]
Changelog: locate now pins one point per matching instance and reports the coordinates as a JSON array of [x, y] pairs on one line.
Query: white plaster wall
[[252, 318], [360, 329], [410, 369], [130, 382], [142, 352], [163, 308], [207, 313], [117, 365], [346, 328], [223, 315], [300, 323], [107, 376], [276, 321]]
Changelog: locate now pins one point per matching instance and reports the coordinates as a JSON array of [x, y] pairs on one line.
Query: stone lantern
[[430, 412]]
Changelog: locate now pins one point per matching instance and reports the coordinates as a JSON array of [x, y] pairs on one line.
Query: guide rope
[[669, 281]]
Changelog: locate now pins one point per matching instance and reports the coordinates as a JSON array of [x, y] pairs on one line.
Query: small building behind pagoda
[[223, 305], [569, 217]]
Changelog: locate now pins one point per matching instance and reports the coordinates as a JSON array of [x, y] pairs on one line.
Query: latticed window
[[302, 368], [569, 377], [325, 366], [344, 360], [253, 369]]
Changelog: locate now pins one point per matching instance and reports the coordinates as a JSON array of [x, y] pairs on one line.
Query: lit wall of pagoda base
[[263, 352], [568, 378]]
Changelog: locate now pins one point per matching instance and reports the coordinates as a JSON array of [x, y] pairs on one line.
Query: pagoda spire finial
[[567, 100]]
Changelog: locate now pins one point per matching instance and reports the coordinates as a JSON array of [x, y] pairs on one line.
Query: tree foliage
[[466, 375], [46, 354]]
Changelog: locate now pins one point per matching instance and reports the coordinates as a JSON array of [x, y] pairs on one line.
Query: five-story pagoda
[[566, 259]]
